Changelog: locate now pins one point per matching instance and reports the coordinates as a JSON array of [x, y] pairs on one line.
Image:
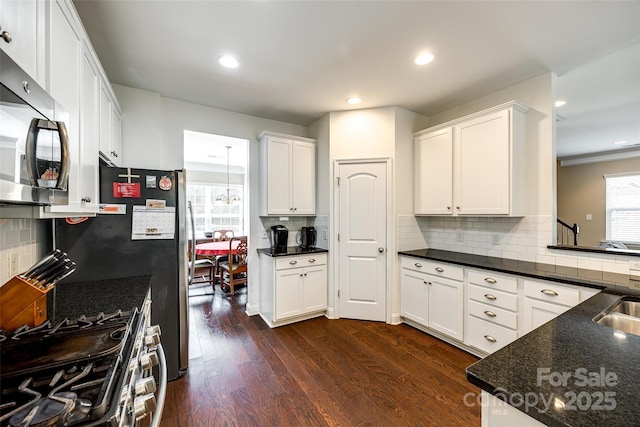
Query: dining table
[[214, 249]]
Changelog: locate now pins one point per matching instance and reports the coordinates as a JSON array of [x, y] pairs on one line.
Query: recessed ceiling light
[[560, 102], [619, 142], [228, 61], [424, 58], [353, 100]]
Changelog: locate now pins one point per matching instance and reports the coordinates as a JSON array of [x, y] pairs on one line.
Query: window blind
[[623, 207]]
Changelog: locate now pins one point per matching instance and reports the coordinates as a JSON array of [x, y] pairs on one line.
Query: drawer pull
[[417, 264], [549, 292], [439, 269], [294, 262], [312, 260], [490, 338], [490, 280], [490, 297], [489, 313]]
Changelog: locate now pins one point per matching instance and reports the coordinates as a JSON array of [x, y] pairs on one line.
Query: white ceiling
[[302, 59]]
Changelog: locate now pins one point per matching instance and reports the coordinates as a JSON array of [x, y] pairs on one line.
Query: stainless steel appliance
[[308, 237], [104, 247], [34, 144], [278, 237], [90, 371]]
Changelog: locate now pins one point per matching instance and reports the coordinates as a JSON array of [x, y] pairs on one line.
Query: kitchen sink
[[623, 315]]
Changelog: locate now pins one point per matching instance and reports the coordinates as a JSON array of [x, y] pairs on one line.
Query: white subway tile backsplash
[[20, 239]]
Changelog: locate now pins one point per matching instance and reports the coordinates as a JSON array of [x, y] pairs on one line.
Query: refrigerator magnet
[[165, 183], [151, 181]]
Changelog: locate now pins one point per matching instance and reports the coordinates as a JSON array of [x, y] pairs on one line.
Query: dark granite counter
[[72, 300], [556, 273], [291, 250], [601, 382], [596, 249]]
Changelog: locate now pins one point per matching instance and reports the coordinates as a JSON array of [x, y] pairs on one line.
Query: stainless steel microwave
[[34, 144]]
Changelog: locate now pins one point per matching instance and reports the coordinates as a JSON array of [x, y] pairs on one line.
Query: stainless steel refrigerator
[[140, 231]]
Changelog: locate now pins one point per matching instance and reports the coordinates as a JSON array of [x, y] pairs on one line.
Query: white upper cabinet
[[288, 175], [473, 165], [22, 35], [110, 127]]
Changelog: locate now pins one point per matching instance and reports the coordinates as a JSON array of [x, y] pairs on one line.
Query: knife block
[[22, 303]]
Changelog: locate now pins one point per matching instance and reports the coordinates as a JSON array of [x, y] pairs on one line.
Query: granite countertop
[[72, 300], [576, 347], [291, 250], [556, 273]]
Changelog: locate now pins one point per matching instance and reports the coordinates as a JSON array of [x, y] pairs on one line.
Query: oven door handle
[[162, 388]]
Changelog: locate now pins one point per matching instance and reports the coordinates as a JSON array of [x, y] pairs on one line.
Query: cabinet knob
[[26, 86], [490, 280], [381, 249], [489, 313], [417, 264], [490, 297], [293, 262], [549, 292], [490, 338], [86, 199], [311, 260], [448, 208], [458, 207], [6, 36], [439, 269]]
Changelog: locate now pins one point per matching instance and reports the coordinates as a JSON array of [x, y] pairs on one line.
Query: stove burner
[[46, 412]]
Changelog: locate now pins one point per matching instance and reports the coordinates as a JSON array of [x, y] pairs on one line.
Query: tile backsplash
[[22, 243], [524, 239], [294, 224]]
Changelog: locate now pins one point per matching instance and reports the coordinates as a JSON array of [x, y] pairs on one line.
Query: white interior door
[[362, 217]]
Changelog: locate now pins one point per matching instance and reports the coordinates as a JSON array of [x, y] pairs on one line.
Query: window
[[209, 215], [623, 207]]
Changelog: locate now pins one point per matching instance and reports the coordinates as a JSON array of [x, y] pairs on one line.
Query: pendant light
[[227, 199]]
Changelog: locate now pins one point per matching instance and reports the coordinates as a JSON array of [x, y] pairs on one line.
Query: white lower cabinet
[[544, 301], [292, 288], [432, 296]]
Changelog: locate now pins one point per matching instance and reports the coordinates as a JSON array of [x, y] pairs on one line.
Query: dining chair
[[222, 235], [233, 272], [196, 264]]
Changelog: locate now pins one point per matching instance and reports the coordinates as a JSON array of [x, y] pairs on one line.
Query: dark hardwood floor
[[319, 372]]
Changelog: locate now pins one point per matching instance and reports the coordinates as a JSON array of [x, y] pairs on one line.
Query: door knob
[[381, 249]]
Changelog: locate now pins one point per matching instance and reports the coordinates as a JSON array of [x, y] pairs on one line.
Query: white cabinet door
[[434, 173], [89, 132], [482, 162], [414, 296], [314, 289], [446, 307], [303, 178], [288, 293], [116, 136], [537, 313], [19, 26], [279, 158]]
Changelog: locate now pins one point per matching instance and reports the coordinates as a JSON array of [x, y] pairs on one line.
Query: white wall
[[153, 132]]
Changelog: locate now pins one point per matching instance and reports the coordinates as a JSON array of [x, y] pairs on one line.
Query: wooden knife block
[[22, 303]]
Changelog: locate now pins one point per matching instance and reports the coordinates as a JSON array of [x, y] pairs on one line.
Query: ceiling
[[302, 59]]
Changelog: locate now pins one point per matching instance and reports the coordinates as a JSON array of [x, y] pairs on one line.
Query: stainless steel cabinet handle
[[26, 86], [490, 338], [439, 269], [294, 262], [381, 250], [312, 260], [490, 297], [489, 313], [417, 264], [549, 292], [490, 280], [6, 36]]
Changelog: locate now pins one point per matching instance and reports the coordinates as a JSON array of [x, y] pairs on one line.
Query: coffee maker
[[308, 237], [278, 236]]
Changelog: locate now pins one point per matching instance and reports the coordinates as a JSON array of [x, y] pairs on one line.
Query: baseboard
[[251, 310], [330, 313], [396, 319]]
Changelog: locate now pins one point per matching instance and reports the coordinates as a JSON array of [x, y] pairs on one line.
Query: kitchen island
[[570, 371]]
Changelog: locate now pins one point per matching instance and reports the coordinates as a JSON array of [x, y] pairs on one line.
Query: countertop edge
[[291, 251]]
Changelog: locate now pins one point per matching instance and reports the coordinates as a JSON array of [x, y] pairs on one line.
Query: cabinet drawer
[[488, 336], [551, 292], [493, 314], [494, 297], [440, 269], [298, 261], [494, 281]]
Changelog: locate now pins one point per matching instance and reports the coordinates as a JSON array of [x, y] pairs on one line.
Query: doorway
[[362, 210]]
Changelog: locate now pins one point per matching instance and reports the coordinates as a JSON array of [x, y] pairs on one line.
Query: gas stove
[[90, 371]]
